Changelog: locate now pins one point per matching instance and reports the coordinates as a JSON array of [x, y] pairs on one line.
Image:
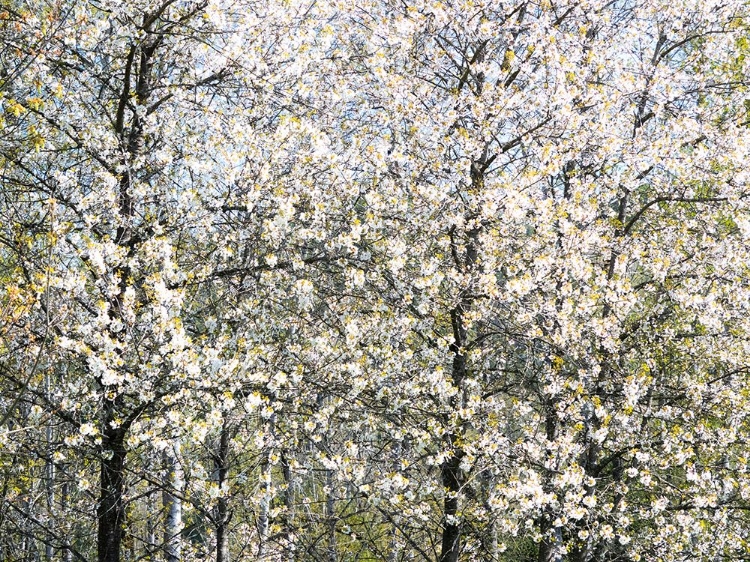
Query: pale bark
[[331, 517], [221, 460], [173, 503]]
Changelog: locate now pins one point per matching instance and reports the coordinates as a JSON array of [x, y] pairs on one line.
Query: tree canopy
[[426, 280]]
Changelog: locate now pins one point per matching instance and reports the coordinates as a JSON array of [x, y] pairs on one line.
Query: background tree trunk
[[172, 498]]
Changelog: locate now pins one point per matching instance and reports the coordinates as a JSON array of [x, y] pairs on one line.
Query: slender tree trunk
[[265, 504], [393, 546], [49, 551], [111, 509], [452, 482], [151, 524], [222, 509], [331, 517], [451, 475], [67, 552], [173, 503], [450, 471], [289, 544], [265, 501], [489, 538], [550, 547], [49, 482]]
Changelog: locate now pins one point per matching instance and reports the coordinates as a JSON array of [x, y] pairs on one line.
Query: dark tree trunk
[[111, 509], [451, 543], [549, 548], [450, 470], [451, 475]]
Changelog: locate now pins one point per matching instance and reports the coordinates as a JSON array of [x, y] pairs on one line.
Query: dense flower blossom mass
[[414, 280]]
